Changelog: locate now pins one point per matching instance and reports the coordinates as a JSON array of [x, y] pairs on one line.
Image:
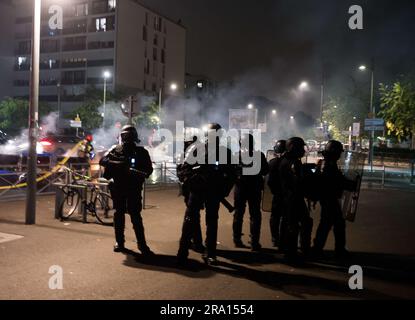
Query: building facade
[[137, 49]]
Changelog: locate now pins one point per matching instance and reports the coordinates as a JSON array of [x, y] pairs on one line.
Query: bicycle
[[98, 203]]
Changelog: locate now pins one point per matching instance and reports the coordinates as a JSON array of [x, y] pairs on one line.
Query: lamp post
[[173, 88], [33, 117], [106, 76], [371, 110]]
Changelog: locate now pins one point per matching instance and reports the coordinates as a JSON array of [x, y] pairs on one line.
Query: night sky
[[269, 46], [277, 43]]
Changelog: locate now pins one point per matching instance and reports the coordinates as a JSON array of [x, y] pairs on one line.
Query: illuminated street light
[[250, 106], [274, 112], [303, 86], [292, 117], [362, 68], [173, 87], [106, 75]]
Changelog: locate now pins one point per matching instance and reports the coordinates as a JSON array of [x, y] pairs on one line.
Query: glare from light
[[250, 106], [274, 112], [292, 117], [362, 68], [335, 107], [107, 74], [173, 87], [303, 85]]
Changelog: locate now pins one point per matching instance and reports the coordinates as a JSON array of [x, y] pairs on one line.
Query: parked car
[[58, 144]]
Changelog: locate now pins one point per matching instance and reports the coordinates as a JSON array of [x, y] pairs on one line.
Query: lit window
[[101, 24], [112, 4], [21, 61]]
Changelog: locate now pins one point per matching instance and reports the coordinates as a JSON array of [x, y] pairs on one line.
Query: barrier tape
[[47, 174]]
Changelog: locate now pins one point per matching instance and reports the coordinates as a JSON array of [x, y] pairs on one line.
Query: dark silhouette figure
[[208, 181], [295, 184], [332, 184], [278, 223], [248, 189], [128, 165]]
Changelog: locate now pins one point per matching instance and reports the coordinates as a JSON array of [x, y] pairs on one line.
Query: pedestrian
[[332, 184], [248, 189], [127, 165], [278, 223], [209, 181]]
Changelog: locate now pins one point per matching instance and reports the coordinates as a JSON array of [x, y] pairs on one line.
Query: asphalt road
[[382, 241]]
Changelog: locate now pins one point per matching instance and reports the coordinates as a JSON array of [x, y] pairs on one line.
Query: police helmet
[[129, 134], [295, 146], [333, 148], [213, 126], [280, 146]]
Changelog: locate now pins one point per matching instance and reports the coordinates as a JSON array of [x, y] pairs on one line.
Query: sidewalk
[[382, 239]]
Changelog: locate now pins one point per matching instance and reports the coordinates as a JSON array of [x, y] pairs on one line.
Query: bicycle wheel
[[70, 203], [104, 209]]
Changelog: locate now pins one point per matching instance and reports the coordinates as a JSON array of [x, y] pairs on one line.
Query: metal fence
[[13, 178]]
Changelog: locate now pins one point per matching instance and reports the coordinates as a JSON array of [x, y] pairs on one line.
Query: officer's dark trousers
[[277, 222], [331, 216], [253, 197], [128, 201], [299, 223], [197, 233], [191, 223]]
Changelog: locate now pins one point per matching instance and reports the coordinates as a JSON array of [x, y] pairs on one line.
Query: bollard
[[59, 197], [82, 206]]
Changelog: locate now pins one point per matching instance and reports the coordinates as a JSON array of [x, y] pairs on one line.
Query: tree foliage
[[398, 108], [14, 114]]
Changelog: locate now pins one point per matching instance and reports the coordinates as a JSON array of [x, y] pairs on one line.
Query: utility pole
[[33, 117]]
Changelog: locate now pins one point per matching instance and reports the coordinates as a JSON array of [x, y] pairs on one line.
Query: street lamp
[[173, 88], [371, 109], [250, 106], [303, 86], [33, 116], [274, 112], [106, 75]]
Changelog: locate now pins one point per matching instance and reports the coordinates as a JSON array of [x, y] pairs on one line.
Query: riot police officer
[[332, 184], [277, 220], [197, 241], [248, 188], [128, 165], [208, 181], [295, 183]]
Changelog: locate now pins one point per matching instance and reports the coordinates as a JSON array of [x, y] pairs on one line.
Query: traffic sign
[[375, 122], [374, 128], [356, 129], [76, 124]]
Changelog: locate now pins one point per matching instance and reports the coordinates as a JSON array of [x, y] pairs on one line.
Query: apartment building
[[136, 48]]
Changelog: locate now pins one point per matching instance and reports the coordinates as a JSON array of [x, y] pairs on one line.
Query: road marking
[[5, 237]]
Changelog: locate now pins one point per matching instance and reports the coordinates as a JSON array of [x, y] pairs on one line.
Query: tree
[[149, 117], [341, 112], [398, 109], [89, 110], [14, 114]]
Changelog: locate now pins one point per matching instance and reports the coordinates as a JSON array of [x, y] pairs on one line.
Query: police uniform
[[332, 184], [208, 183], [128, 165], [248, 189]]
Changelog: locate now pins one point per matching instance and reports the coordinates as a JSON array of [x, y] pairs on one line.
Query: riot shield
[[267, 194], [352, 165]]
